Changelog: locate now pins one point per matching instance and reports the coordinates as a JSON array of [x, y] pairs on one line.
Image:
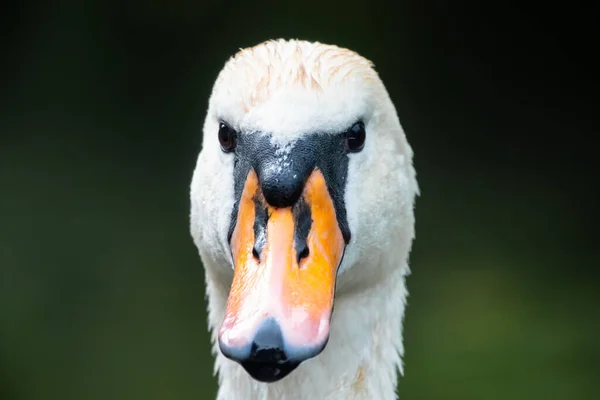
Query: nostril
[[255, 254], [303, 219], [303, 252]]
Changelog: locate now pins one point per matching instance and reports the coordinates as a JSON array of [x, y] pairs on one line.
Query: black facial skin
[[261, 217], [282, 175], [303, 219]]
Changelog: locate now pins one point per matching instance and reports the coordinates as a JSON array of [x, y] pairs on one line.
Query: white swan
[[304, 189]]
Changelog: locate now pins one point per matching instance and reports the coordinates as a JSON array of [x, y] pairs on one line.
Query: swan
[[302, 211]]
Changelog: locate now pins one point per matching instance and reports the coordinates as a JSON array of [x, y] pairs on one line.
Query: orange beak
[[281, 299]]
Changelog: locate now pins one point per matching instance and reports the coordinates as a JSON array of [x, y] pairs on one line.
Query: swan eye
[[355, 137], [227, 138]]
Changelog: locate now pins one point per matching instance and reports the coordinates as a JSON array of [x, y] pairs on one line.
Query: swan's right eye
[[227, 138], [355, 137]]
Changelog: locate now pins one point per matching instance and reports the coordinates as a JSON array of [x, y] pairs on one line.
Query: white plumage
[[289, 88]]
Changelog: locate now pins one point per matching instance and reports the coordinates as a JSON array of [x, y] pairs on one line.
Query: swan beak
[[285, 266]]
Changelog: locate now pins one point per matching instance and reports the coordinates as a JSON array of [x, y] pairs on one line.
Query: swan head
[[303, 192]]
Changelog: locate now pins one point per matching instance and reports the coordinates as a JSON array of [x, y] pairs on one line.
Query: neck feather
[[360, 361]]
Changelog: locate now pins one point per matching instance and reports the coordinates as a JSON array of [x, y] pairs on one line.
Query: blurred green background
[[102, 103]]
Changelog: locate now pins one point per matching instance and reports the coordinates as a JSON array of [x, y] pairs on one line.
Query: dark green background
[[102, 103]]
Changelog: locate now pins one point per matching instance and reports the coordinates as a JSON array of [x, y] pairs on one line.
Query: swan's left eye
[[227, 138], [355, 137]]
